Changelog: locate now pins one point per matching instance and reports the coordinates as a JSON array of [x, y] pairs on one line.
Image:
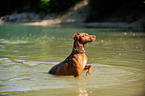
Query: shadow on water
[[28, 52]]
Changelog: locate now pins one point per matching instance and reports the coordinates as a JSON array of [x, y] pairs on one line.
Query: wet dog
[[76, 62]]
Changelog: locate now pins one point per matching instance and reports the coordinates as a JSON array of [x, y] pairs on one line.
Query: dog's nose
[[94, 36]]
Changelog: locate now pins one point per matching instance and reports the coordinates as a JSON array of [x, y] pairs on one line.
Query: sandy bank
[[138, 25]]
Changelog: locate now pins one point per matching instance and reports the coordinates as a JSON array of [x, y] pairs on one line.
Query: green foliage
[[44, 4], [57, 5], [10, 6]]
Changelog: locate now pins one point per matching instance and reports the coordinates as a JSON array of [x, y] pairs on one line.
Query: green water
[[28, 52]]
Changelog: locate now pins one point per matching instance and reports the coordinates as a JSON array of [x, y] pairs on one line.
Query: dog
[[76, 62]]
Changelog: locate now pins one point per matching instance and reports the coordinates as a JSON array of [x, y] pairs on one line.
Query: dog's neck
[[78, 47]]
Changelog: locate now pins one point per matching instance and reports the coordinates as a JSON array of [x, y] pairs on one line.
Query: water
[[28, 52]]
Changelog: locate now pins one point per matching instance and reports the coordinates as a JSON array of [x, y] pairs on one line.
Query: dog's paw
[[88, 73]]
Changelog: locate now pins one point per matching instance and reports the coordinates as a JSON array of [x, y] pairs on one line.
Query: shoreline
[[139, 25], [73, 17]]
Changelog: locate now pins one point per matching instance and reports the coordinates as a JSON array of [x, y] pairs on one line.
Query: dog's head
[[84, 37]]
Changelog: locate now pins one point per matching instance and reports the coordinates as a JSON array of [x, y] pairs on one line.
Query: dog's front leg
[[89, 67], [77, 71]]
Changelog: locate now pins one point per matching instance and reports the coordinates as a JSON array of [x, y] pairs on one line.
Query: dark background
[[101, 10]]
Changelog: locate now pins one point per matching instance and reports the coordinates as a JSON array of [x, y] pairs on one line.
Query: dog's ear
[[76, 36]]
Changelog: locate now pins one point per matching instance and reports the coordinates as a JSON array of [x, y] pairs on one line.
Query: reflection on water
[[28, 52], [83, 92]]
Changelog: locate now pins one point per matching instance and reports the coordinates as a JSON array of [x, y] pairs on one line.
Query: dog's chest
[[82, 60], [85, 62]]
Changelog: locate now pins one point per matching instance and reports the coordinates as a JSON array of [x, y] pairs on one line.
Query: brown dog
[[75, 63]]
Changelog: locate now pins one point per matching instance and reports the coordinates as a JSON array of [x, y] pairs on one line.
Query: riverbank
[[75, 16], [138, 25]]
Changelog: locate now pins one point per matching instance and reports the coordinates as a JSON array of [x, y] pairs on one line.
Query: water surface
[[28, 52]]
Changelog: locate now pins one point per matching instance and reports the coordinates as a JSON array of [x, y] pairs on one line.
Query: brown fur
[[75, 63]]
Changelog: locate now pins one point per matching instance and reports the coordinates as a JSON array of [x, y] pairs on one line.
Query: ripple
[[6, 61], [13, 42], [33, 63], [23, 78], [2, 46]]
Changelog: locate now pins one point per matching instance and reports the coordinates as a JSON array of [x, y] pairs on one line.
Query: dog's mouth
[[92, 38]]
